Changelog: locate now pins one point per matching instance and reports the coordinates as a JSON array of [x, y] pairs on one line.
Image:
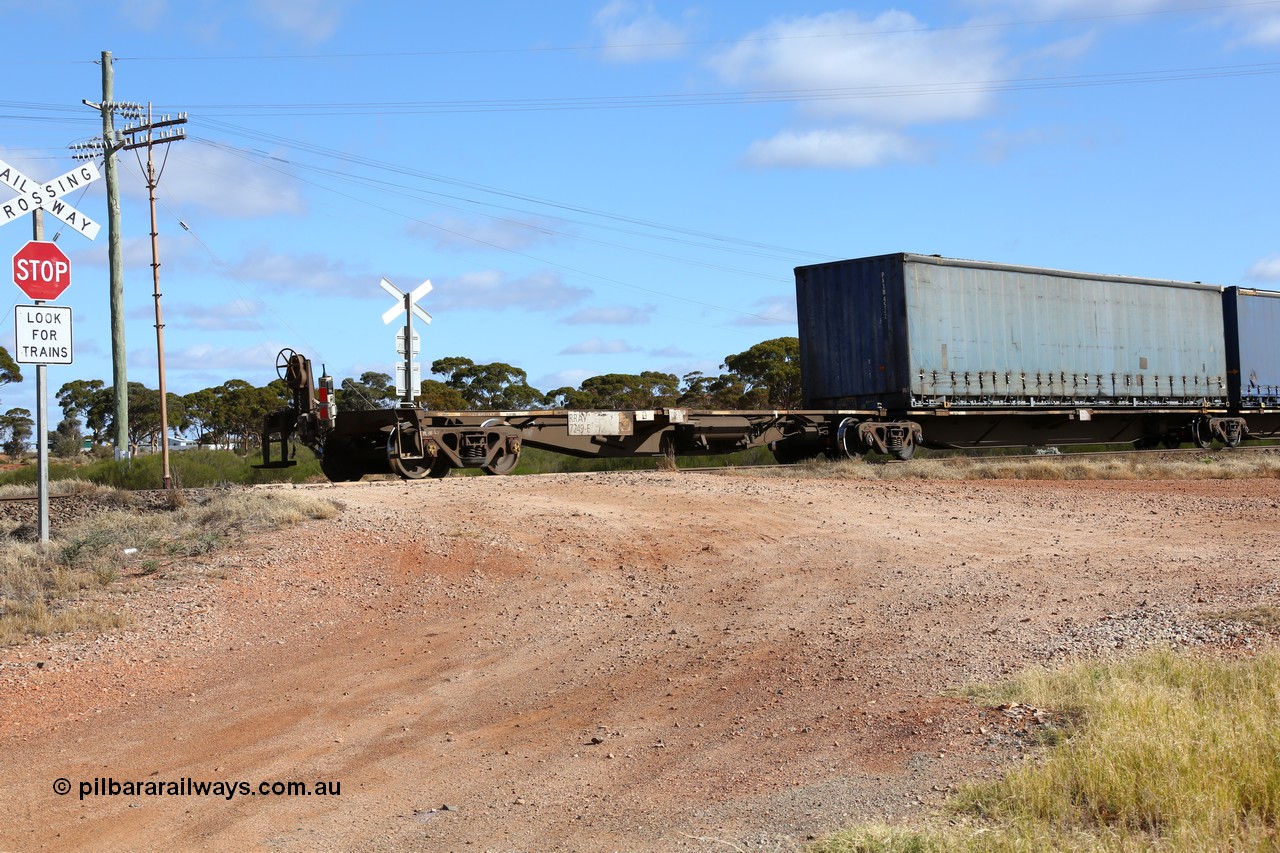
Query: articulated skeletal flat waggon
[[896, 352]]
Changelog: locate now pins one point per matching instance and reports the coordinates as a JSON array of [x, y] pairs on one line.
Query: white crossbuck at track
[[48, 195], [396, 310]]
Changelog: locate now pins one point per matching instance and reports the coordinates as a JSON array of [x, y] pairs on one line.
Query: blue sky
[[598, 187]]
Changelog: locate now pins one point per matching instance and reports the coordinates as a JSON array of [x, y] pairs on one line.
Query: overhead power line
[[516, 252], [386, 167], [741, 98]]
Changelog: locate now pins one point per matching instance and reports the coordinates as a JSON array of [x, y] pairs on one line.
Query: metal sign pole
[[408, 352], [42, 417]]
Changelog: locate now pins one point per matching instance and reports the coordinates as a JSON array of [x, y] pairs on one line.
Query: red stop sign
[[41, 270]]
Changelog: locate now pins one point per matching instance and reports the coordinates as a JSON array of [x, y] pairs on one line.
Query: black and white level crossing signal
[[408, 375], [406, 299], [48, 195]]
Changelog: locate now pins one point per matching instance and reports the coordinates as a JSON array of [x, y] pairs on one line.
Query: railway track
[[1190, 452], [33, 497], [1158, 453], [1155, 454]]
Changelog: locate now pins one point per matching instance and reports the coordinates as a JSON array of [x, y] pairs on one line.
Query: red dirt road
[[606, 662]]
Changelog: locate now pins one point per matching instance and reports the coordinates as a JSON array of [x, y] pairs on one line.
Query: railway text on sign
[[48, 195]]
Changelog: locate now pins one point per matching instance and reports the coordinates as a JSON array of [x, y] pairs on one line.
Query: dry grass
[[1208, 467], [58, 587], [1172, 752], [36, 620], [1264, 616], [64, 487]]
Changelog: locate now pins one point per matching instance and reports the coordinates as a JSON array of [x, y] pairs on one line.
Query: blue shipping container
[[1253, 346], [904, 331]]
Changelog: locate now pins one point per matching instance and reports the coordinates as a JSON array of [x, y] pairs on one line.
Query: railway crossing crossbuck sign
[[48, 196], [406, 299]]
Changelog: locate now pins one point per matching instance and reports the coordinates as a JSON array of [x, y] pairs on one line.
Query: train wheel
[[782, 454], [409, 469], [504, 463], [905, 450], [848, 443], [1200, 434], [440, 468], [1171, 441], [338, 462], [791, 451]]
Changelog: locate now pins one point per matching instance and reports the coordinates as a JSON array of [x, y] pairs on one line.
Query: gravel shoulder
[[632, 661]]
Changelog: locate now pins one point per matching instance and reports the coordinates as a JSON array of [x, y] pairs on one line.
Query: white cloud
[[214, 358], [311, 21], [492, 290], [770, 312], [612, 315], [145, 14], [1069, 9], [226, 184], [563, 379], [850, 148], [1267, 269], [999, 144], [1258, 24], [888, 69], [1070, 48], [1261, 27], [313, 272], [176, 249], [669, 352], [1049, 9], [597, 346], [634, 32], [237, 314], [484, 233]]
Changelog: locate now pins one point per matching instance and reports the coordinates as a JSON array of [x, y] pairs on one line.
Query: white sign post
[[408, 376]]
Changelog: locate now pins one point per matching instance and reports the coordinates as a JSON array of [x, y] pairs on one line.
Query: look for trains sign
[[42, 334]]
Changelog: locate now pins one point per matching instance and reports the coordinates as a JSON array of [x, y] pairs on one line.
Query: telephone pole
[[119, 374], [153, 180]]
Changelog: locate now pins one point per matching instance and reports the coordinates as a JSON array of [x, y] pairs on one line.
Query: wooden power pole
[[119, 372], [149, 142]]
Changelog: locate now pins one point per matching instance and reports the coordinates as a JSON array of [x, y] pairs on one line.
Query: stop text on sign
[[38, 272], [42, 334], [41, 270]]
